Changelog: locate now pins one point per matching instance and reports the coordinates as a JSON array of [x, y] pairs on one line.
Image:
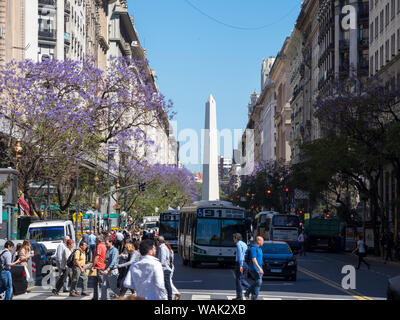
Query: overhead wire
[[239, 27]]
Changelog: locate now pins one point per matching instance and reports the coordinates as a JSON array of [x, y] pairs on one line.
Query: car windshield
[[218, 232], [276, 248], [285, 221], [46, 233], [169, 229]]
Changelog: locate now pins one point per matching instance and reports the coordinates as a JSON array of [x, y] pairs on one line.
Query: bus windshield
[[218, 232], [285, 221], [169, 229], [46, 233]]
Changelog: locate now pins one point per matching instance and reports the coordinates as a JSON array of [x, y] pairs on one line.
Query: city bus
[[272, 225], [168, 227], [206, 232]]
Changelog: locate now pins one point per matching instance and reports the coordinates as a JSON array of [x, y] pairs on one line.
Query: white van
[[51, 233]]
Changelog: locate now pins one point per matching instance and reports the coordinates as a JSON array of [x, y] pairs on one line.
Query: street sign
[[306, 216]]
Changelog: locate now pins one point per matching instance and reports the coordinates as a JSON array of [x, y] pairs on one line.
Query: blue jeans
[[241, 280], [256, 285], [6, 283]]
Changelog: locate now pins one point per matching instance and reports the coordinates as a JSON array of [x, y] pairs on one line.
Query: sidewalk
[[376, 259]]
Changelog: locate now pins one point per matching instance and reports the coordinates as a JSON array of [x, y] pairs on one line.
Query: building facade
[[280, 76]]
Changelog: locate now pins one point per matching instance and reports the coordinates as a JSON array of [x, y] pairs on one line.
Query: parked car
[[279, 260], [393, 290]]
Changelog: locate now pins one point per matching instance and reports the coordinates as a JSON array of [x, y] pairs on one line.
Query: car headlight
[[291, 263]]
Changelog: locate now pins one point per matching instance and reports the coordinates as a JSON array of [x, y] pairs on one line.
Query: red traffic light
[[328, 215], [287, 189], [301, 211], [269, 191]]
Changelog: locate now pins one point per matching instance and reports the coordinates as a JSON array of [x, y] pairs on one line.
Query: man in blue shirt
[[255, 268], [111, 271], [241, 266]]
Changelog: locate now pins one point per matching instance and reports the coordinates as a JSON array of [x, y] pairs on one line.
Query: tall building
[[384, 48], [294, 54], [280, 76], [55, 29]]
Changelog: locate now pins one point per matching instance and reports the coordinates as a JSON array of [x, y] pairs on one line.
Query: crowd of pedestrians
[[141, 262]]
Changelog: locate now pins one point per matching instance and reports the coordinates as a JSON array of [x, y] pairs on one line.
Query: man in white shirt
[[119, 237], [59, 259], [146, 276]]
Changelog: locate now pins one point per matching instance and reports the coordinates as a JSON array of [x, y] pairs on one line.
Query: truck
[[323, 232]]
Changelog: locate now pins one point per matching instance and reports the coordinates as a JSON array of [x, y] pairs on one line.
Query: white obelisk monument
[[210, 188]]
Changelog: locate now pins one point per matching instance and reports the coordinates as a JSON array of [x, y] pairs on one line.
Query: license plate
[[276, 270]]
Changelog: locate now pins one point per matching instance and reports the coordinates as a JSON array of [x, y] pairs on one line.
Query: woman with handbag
[[24, 254]]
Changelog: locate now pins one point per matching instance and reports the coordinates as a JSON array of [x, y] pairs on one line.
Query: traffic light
[[166, 192], [143, 186], [269, 192], [174, 193], [287, 190], [328, 215]]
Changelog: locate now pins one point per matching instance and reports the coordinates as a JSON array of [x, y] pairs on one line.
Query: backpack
[[247, 254], [70, 260]]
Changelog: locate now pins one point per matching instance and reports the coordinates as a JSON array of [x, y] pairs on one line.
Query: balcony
[[47, 2], [50, 34], [67, 38], [67, 6]]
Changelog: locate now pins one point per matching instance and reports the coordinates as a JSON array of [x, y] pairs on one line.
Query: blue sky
[[194, 55]]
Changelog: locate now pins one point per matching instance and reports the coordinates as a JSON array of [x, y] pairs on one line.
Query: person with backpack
[[5, 269], [64, 270], [78, 270], [241, 266], [255, 268]]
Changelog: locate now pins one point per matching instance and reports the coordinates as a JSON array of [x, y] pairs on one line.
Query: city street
[[319, 278]]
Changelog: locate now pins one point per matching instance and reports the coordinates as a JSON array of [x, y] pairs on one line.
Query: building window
[[387, 51], [381, 18], [371, 29], [371, 4], [376, 61], [381, 56], [376, 27], [371, 66], [387, 15], [393, 11], [393, 45], [398, 6]]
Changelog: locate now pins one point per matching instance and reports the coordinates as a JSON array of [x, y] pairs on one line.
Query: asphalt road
[[319, 277]]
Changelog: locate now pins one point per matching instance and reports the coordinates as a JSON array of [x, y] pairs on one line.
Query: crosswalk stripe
[[201, 297], [271, 298], [231, 297]]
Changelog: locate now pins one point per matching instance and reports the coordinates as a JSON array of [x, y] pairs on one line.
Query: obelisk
[[210, 188]]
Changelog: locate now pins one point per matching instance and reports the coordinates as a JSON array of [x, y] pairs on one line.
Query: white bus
[[272, 225], [206, 232]]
